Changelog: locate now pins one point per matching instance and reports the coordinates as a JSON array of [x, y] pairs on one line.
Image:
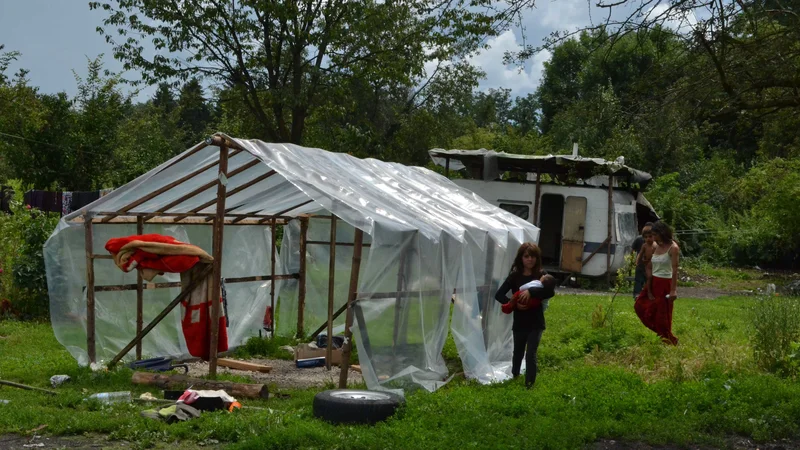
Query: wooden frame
[[218, 220]]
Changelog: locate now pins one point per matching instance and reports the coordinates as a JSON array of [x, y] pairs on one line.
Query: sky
[[56, 37]]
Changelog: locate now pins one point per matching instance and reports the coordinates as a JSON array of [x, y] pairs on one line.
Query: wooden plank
[[355, 267], [169, 186], [125, 220], [219, 226], [610, 216], [90, 317], [139, 294], [241, 365], [301, 288], [175, 302], [331, 277], [272, 272]]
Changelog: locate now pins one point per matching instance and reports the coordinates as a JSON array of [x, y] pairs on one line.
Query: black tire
[[355, 406]]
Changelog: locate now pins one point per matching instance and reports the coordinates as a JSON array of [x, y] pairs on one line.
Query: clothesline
[[62, 202]]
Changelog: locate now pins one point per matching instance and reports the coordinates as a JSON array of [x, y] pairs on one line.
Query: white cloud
[[520, 79]]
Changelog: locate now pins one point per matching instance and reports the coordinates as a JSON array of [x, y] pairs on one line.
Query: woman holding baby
[[529, 286]]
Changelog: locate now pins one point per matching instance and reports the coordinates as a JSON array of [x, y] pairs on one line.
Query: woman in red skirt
[[654, 304]]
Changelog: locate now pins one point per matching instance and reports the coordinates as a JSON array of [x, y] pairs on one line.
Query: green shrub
[[776, 323], [23, 282]]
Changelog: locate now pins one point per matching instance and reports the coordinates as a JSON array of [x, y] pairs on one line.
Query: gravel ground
[[284, 374]]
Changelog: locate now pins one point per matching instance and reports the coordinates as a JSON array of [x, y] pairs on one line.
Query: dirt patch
[[704, 293], [284, 374]]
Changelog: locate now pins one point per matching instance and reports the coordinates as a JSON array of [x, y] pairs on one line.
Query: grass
[[613, 382]]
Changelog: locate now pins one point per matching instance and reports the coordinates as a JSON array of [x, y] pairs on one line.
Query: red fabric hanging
[[656, 314]]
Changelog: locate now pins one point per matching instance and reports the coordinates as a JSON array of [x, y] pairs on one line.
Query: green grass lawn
[[613, 382]]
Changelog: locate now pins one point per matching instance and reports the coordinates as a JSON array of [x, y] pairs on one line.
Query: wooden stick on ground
[[25, 386], [241, 365]]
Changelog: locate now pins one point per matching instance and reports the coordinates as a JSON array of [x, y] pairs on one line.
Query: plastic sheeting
[[436, 255]]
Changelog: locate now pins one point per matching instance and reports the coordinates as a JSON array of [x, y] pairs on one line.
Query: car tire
[[355, 406]]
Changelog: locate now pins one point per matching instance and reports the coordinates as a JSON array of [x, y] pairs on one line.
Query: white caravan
[[586, 228]]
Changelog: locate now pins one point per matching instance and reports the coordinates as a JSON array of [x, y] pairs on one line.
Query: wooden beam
[[325, 325], [139, 294], [219, 225], [289, 209], [126, 220], [191, 194], [164, 381], [175, 302], [169, 186], [301, 287], [355, 268], [340, 244], [610, 220], [537, 199], [130, 287], [272, 272], [90, 324], [241, 169], [331, 277], [398, 304], [595, 251]]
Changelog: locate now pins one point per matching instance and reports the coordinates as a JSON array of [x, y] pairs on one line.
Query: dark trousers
[[530, 339], [639, 280]]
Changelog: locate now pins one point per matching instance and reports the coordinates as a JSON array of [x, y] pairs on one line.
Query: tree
[[194, 114], [284, 59], [164, 99]]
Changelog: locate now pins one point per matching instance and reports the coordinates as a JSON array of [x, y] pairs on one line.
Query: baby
[[546, 281]]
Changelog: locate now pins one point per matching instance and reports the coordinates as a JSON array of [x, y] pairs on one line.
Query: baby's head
[[548, 281]]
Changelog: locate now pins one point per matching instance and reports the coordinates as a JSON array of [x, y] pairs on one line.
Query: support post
[[610, 220], [139, 294], [331, 273], [487, 294], [219, 226], [90, 328], [301, 288], [447, 167], [355, 267], [272, 274], [537, 199]]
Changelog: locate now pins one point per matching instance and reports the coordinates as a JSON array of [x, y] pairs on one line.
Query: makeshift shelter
[[429, 244]]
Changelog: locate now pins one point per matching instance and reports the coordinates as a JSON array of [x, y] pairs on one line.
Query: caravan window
[[521, 211]]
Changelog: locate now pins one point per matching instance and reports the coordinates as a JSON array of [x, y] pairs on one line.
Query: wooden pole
[[447, 167], [355, 267], [536, 200], [301, 288], [139, 294], [164, 381], [487, 295], [272, 273], [610, 220], [182, 296], [331, 272], [219, 227], [398, 300], [90, 327]]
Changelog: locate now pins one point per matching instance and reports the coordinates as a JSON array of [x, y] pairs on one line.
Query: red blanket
[[509, 307], [656, 314], [154, 254]]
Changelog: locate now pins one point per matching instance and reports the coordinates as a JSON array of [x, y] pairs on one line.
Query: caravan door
[[574, 226]]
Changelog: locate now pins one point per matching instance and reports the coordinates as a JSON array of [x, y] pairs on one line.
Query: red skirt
[[656, 314]]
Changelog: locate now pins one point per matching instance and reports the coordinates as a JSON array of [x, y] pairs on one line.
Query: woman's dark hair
[[663, 231], [528, 248]]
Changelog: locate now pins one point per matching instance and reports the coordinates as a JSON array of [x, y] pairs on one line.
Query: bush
[[23, 282], [776, 323]]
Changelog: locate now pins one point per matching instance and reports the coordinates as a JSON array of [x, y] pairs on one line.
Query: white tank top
[[662, 265]]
